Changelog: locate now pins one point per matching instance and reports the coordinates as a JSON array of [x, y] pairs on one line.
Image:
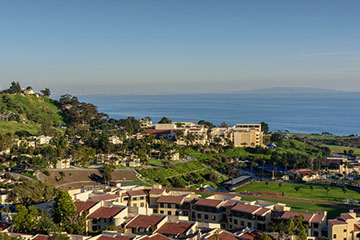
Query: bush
[[46, 172]]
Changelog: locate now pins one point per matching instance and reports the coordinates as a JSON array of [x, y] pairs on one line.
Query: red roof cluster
[[135, 193], [308, 217], [155, 237], [171, 199], [251, 235], [174, 229], [224, 235], [208, 202], [245, 208], [103, 197], [83, 206], [116, 237], [144, 221], [106, 212]]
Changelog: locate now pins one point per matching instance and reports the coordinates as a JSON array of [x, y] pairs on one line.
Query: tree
[[291, 226], [26, 219], [297, 188], [327, 189], [252, 165], [63, 207], [311, 188], [223, 125], [280, 186], [14, 88], [165, 120], [276, 137], [264, 127], [267, 183], [46, 92], [4, 236], [344, 189], [107, 173], [59, 236]]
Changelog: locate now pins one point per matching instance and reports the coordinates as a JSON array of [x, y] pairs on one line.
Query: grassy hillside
[[30, 112], [189, 174]]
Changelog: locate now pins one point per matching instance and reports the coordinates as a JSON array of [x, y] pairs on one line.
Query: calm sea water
[[338, 113]]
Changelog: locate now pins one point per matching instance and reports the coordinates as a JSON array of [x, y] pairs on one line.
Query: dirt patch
[[84, 177]]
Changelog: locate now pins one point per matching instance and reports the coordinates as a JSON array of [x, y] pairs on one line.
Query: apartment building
[[170, 205], [135, 198], [345, 227], [207, 210], [143, 224], [106, 216], [244, 215]]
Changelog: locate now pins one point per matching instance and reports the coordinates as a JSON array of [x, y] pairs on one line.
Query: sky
[[179, 46]]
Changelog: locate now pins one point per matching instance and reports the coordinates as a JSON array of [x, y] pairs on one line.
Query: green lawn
[[154, 162], [333, 211], [319, 193], [340, 149]]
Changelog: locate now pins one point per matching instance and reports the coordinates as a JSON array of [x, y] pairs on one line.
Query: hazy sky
[[179, 46]]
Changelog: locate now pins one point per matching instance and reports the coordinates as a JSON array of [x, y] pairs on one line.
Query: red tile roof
[[175, 229], [224, 235], [245, 208], [144, 221], [262, 211], [157, 191], [303, 172], [136, 193], [83, 206], [208, 202], [102, 197], [356, 228], [106, 212], [336, 222], [229, 203], [4, 225], [161, 131], [317, 218], [288, 215], [155, 237], [116, 237], [346, 216], [171, 199], [251, 235]]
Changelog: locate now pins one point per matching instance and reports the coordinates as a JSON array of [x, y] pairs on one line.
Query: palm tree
[[297, 188], [344, 189], [327, 189], [280, 186], [262, 170], [311, 188], [241, 165], [267, 183], [252, 165]]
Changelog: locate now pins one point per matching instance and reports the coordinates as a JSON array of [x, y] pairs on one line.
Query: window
[[231, 226], [249, 224], [141, 198], [316, 234], [169, 213], [125, 199], [185, 213], [142, 204], [206, 216], [134, 205], [134, 198], [161, 212], [316, 225], [161, 205], [235, 221], [213, 218], [242, 223], [345, 230], [334, 236], [155, 210], [198, 215], [230, 219], [169, 205]]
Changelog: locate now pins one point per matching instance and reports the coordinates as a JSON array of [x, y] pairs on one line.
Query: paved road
[[18, 175]]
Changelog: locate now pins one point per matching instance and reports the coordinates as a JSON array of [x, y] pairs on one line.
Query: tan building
[[345, 227], [142, 224], [245, 215], [170, 205], [136, 198], [106, 216]]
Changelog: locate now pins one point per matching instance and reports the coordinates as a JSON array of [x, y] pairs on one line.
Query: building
[[106, 216], [345, 227], [142, 224], [237, 182]]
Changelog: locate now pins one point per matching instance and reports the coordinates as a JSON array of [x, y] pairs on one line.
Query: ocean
[[337, 113]]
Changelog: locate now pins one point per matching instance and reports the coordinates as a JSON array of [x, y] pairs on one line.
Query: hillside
[[28, 112]]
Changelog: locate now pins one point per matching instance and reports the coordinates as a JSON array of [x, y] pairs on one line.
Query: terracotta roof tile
[[208, 202], [317, 218], [251, 235], [4, 225], [174, 229], [116, 237], [136, 193], [106, 212], [262, 211], [336, 222], [83, 206], [105, 197], [171, 199], [144, 221], [155, 237], [224, 235], [245, 208], [288, 215], [157, 191], [41, 237]]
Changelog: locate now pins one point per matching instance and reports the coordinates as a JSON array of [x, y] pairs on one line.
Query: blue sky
[[179, 46]]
